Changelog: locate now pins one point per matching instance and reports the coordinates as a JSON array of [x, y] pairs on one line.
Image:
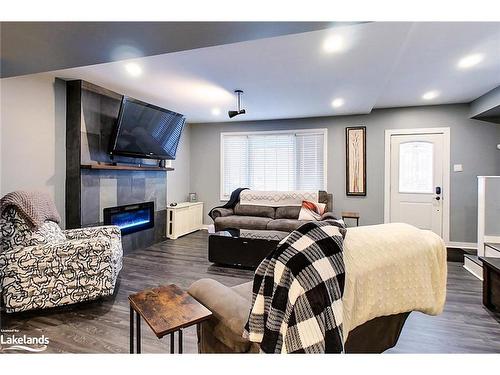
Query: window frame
[[323, 131]]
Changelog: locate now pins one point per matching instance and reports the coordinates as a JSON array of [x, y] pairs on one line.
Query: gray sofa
[[231, 306], [264, 217]]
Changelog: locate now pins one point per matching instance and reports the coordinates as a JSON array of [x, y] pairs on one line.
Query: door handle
[[438, 198], [438, 190]]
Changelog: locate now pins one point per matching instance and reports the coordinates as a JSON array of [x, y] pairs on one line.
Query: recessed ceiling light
[[133, 69], [125, 52], [339, 102], [334, 43], [470, 61], [429, 95], [216, 111]]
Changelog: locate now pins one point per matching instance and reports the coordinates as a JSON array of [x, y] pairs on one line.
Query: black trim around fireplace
[[131, 217]]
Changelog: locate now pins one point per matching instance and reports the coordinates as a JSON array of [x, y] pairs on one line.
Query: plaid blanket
[[297, 292]]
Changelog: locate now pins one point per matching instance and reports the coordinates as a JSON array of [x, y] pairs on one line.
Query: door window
[[416, 167]]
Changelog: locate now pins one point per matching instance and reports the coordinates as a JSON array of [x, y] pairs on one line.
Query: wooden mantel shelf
[[124, 167]]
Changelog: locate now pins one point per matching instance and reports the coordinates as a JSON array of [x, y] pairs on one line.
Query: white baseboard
[[492, 239], [473, 268], [462, 245]]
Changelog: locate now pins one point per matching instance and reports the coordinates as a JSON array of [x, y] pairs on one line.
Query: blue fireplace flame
[[132, 224], [131, 218], [126, 220]]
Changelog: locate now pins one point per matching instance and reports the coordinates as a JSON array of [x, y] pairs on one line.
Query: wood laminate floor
[[103, 326]]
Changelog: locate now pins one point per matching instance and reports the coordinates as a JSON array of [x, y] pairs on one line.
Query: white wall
[[32, 151]]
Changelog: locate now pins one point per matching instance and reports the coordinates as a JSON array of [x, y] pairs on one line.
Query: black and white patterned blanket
[[297, 292]]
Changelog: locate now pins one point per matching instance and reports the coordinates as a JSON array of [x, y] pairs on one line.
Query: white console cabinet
[[488, 224], [488, 215], [184, 218]]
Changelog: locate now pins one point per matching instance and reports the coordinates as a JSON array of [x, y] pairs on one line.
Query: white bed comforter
[[390, 269]]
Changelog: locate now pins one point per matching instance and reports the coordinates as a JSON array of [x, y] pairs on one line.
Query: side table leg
[[131, 330], [486, 287], [180, 341], [172, 342], [138, 328]]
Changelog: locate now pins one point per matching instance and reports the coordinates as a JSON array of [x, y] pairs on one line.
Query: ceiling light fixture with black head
[[239, 111]]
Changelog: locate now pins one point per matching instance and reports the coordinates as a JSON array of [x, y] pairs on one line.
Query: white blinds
[[310, 161], [235, 163], [271, 162], [280, 161]]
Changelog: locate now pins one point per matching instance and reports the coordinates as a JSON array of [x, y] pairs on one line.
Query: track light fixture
[[239, 111]]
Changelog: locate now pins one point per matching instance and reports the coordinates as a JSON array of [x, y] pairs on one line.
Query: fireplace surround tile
[[91, 114], [107, 194]]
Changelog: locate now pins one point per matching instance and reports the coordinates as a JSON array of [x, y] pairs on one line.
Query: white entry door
[[416, 180]]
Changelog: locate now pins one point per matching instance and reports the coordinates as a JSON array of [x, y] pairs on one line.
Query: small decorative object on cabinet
[[355, 161], [184, 218], [192, 197]]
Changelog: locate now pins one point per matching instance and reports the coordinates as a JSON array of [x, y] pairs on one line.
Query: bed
[[391, 270]]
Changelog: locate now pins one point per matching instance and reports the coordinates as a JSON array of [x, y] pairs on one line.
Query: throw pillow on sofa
[[311, 210]]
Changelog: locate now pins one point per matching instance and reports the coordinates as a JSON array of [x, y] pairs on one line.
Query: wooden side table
[[166, 309], [491, 282], [351, 215]]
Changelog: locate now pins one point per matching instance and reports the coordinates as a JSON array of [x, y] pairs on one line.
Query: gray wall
[[33, 122], [33, 147], [33, 115], [473, 144]]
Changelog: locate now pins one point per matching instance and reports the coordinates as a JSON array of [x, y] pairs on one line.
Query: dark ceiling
[[34, 47], [491, 115]]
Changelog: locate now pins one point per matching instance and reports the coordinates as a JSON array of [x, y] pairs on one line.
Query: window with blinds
[[282, 160]]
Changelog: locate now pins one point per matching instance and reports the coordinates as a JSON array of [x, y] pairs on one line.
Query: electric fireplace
[[132, 217]]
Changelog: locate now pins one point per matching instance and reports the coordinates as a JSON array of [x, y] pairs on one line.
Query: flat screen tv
[[146, 131]]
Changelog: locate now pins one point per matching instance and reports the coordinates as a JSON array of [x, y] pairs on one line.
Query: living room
[[152, 189]]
